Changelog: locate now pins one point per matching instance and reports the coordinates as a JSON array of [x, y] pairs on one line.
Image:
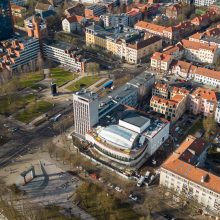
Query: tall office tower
[[85, 108], [6, 22]]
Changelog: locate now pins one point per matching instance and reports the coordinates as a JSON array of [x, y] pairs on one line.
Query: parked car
[[132, 197], [117, 188]]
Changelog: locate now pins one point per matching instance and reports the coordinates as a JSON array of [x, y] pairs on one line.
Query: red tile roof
[[161, 56], [208, 73], [205, 94]]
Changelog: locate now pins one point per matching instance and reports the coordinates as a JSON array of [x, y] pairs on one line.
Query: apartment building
[[161, 62], [173, 11], [183, 173], [176, 51], [78, 9], [127, 43], [199, 52], [183, 69], [172, 109], [66, 54], [113, 20], [94, 10], [202, 101], [207, 77], [210, 37], [169, 101], [74, 23], [44, 10], [217, 112], [18, 11], [16, 53], [134, 15], [204, 2], [19, 2], [169, 34]]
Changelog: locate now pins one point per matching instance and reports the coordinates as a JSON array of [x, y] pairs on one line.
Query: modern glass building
[[6, 22]]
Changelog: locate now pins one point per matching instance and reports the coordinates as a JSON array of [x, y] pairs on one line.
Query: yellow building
[[127, 43]]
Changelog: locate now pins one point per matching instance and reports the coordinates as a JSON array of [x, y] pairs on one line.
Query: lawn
[[12, 103], [26, 80], [83, 83], [33, 110], [61, 76]]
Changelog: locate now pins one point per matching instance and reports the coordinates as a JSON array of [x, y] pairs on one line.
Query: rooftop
[[181, 162], [208, 73], [205, 94], [161, 56]]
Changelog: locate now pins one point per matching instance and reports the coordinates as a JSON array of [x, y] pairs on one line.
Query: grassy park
[[33, 110], [61, 76], [12, 102], [83, 83]]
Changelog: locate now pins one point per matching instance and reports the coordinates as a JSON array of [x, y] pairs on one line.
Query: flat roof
[[135, 118]]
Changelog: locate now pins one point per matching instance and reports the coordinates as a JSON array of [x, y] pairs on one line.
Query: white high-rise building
[[204, 2], [85, 108]]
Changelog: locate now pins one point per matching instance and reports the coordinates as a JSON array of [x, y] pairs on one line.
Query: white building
[[183, 172], [207, 77], [85, 109], [73, 23], [160, 61], [204, 2], [65, 54], [112, 20], [130, 142], [217, 112], [199, 52]]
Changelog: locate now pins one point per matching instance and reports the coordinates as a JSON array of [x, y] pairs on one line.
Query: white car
[[118, 189], [134, 198]]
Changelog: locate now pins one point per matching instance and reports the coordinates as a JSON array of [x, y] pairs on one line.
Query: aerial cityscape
[[109, 109]]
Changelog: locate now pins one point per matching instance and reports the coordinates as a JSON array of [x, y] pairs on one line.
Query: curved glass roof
[[118, 136]]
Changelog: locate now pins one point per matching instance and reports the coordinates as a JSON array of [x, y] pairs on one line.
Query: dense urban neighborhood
[[109, 109]]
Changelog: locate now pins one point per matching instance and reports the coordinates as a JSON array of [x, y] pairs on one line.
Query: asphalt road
[[24, 141]]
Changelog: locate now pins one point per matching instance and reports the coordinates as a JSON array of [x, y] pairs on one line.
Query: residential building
[[75, 10], [85, 109], [6, 27], [202, 101], [174, 10], [204, 2], [16, 53], [172, 109], [203, 20], [161, 90], [19, 2], [127, 43], [18, 11], [44, 10], [217, 112], [207, 77], [36, 27], [113, 20], [94, 10], [183, 69], [66, 54], [129, 141], [210, 37], [183, 172], [215, 7], [134, 15], [199, 52], [161, 62], [169, 34], [176, 51], [74, 23]]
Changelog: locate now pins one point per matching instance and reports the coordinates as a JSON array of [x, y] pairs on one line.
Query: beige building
[[129, 44], [183, 173], [160, 61], [169, 101]]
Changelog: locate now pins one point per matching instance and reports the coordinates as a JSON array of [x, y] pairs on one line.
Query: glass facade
[[6, 22]]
